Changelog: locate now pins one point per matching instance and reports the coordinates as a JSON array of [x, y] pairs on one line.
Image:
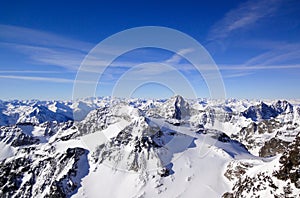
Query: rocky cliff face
[[279, 178], [44, 174]]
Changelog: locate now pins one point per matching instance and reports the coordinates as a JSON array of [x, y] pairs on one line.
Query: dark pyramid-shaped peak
[[181, 107]]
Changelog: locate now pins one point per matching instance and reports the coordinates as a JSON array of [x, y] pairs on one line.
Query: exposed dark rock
[[227, 195], [251, 186], [15, 137], [247, 135], [181, 108], [283, 107], [11, 174], [224, 138], [273, 147], [235, 171], [44, 170], [290, 163], [261, 111]]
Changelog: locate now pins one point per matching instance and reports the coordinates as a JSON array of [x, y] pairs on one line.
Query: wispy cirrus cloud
[[259, 63], [27, 36], [257, 67], [27, 72], [43, 47], [43, 79], [38, 55], [237, 74], [271, 54], [35, 78], [242, 17], [280, 54], [176, 58]]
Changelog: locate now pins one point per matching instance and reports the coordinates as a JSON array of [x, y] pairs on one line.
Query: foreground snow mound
[[149, 148]]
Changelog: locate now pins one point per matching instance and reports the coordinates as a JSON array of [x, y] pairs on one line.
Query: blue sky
[[256, 45]]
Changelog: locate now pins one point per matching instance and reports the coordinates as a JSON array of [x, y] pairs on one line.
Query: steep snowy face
[[174, 108], [32, 111], [81, 109], [39, 114], [181, 108], [261, 112], [283, 107], [278, 121], [149, 148], [133, 149], [138, 145]]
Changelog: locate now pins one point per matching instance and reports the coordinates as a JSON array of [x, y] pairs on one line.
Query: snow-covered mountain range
[[104, 147]]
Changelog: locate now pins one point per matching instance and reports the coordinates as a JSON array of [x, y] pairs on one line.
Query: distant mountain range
[[104, 147]]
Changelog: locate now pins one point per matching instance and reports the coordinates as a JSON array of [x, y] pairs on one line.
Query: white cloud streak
[[257, 67], [28, 72], [237, 75], [246, 14], [178, 56], [43, 79], [46, 48], [27, 36], [34, 78], [277, 55], [61, 57], [285, 52]]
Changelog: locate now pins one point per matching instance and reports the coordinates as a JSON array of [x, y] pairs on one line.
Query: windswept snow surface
[[6, 151]]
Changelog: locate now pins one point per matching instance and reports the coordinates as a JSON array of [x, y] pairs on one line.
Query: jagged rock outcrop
[[265, 182], [261, 111], [15, 137], [273, 147], [290, 163], [36, 175], [283, 107]]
